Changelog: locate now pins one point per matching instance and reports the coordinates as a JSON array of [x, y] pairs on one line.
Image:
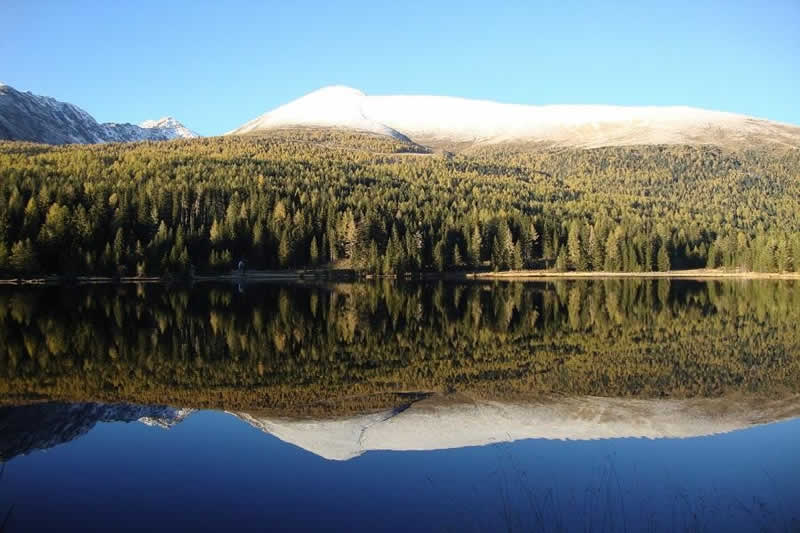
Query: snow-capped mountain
[[32, 427], [336, 106], [29, 117], [433, 424], [169, 126], [437, 118]]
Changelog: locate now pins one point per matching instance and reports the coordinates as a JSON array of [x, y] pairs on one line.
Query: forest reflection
[[345, 347]]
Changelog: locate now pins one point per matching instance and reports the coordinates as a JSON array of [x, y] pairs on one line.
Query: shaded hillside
[[29, 117]]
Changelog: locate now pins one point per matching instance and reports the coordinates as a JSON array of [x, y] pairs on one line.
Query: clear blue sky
[[215, 65]]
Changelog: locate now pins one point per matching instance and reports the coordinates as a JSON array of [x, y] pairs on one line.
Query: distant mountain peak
[[333, 106], [25, 116], [460, 120], [170, 124], [163, 122]]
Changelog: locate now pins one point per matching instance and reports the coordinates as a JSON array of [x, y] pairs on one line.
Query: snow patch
[[170, 127], [427, 426], [335, 106], [337, 439], [460, 119]]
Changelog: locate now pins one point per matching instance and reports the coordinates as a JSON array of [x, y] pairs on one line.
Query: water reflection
[[435, 423], [653, 380], [345, 348], [33, 427]]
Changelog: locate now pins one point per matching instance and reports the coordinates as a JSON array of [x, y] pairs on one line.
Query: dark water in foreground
[[580, 406]]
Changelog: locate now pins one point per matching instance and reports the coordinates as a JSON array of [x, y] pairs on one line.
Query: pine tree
[[502, 248], [3, 256], [650, 254], [497, 254], [574, 247], [119, 247], [663, 258], [796, 253], [373, 260], [314, 252], [475, 247], [32, 217], [284, 249], [713, 259], [216, 233], [22, 259], [516, 262], [613, 262], [782, 256], [561, 261], [439, 255], [458, 260]]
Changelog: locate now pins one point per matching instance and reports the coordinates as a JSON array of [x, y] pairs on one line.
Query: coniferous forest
[[358, 346], [307, 198]]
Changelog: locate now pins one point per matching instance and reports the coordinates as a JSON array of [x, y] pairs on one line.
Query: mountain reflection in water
[[431, 424], [399, 391]]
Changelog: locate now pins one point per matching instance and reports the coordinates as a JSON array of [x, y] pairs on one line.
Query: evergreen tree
[[475, 247], [783, 256], [561, 261], [458, 260], [314, 252], [663, 258], [23, 257], [439, 256], [574, 247], [613, 262], [285, 249]]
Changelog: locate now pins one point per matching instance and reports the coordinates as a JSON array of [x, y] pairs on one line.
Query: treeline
[[292, 347], [307, 198]]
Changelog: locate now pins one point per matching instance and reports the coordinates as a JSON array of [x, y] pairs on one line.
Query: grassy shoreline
[[521, 275], [700, 273]]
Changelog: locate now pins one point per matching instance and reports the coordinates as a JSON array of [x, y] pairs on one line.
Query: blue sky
[[215, 65]]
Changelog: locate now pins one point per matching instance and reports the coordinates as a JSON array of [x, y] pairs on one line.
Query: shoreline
[[347, 275], [700, 273]]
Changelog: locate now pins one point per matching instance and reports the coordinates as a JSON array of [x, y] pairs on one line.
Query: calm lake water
[[610, 405]]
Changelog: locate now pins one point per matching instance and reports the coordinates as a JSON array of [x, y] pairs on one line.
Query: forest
[[315, 198], [349, 347]]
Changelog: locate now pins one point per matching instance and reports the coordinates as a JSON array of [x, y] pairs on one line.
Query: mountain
[[170, 126], [26, 428], [29, 117], [437, 119], [435, 423]]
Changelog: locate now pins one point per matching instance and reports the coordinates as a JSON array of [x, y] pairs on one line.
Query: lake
[[586, 405]]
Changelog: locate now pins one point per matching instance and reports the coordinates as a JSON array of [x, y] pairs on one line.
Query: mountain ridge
[[25, 116], [435, 423], [434, 119]]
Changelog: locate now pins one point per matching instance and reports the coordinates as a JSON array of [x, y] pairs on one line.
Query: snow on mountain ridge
[[40, 426], [170, 124], [431, 426], [25, 116], [163, 121], [460, 119], [334, 106]]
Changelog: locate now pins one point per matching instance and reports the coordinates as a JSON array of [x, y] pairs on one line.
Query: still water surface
[[586, 405]]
